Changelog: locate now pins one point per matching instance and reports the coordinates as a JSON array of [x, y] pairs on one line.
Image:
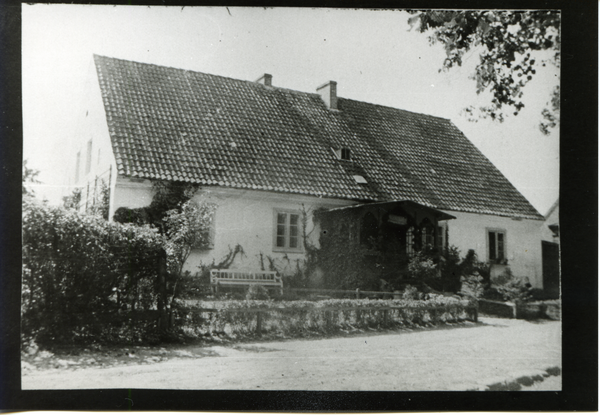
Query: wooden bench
[[232, 277]]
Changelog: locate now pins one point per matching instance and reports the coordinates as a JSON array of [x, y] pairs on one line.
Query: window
[[410, 241], [496, 245], [342, 153], [88, 161], [359, 179], [287, 231], [77, 166], [427, 234], [441, 237]]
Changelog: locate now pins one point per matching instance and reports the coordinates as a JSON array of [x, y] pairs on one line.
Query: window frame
[[212, 232], [410, 241], [287, 248], [441, 238], [496, 231], [345, 153], [88, 160], [77, 167]]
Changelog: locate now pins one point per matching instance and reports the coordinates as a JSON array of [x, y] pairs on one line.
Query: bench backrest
[[244, 276]]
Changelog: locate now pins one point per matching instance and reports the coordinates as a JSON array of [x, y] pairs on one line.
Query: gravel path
[[459, 358]]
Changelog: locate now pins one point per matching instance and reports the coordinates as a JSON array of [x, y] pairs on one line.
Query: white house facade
[[268, 157]]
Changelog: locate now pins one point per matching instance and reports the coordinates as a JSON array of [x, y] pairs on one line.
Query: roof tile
[[182, 125]]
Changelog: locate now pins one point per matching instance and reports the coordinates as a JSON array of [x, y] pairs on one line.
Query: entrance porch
[[385, 236]]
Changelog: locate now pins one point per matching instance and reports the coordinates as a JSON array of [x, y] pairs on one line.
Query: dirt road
[[459, 358]]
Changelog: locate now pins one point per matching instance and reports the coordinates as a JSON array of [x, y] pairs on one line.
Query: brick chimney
[[328, 93], [266, 79]]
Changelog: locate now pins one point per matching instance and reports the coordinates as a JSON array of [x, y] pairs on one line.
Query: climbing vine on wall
[[168, 195], [345, 262]]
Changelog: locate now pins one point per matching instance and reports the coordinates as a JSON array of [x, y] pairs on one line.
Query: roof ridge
[[272, 86], [180, 69]]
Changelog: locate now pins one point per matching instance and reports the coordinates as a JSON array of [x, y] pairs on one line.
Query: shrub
[[257, 292], [450, 270], [301, 318], [411, 293], [421, 267], [74, 264], [472, 285], [193, 286], [507, 287]]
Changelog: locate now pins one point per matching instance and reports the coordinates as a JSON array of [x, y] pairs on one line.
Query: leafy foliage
[[345, 262], [506, 42], [168, 195], [507, 287], [102, 206], [471, 276], [257, 292], [29, 177], [411, 293], [186, 229], [422, 267], [465, 275], [82, 265], [73, 200], [304, 318]]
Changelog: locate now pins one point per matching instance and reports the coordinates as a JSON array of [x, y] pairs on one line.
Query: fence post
[[358, 293], [385, 317], [328, 318], [258, 323], [475, 313]]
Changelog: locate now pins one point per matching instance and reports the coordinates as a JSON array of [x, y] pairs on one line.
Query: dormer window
[[342, 153]]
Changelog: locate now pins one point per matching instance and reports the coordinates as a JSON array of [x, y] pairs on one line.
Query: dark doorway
[[551, 269]]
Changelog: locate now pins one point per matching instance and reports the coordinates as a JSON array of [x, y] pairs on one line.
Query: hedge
[[76, 265], [303, 318]]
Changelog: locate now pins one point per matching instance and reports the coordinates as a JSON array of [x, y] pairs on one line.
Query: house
[[269, 157], [550, 226], [551, 252]]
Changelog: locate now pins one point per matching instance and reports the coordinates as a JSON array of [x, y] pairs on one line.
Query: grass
[[515, 385]]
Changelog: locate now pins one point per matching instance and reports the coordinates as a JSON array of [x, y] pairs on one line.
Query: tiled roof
[[174, 124]]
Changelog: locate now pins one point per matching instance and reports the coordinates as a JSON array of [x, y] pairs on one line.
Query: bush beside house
[[85, 279], [78, 268]]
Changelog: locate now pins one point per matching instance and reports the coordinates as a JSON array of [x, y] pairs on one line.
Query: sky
[[371, 54]]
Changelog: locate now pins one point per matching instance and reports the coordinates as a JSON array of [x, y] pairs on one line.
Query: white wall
[[91, 125], [551, 218], [247, 218], [130, 193], [241, 217], [523, 241]]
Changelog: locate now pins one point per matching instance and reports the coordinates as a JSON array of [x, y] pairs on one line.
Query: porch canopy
[[401, 226], [406, 205]]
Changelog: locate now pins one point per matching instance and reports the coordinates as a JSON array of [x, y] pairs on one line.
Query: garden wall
[[522, 310], [497, 308], [234, 319]]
